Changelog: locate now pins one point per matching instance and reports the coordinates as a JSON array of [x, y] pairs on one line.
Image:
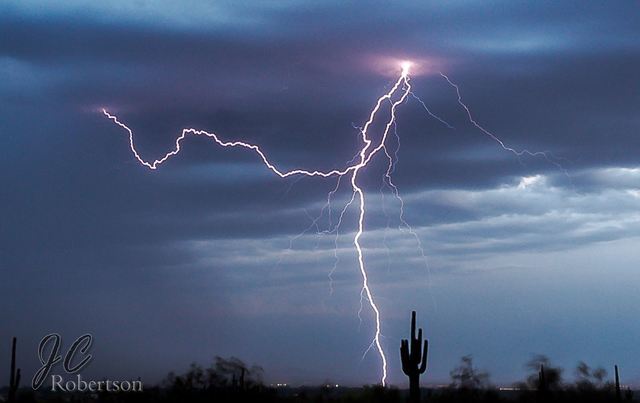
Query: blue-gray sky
[[199, 258]]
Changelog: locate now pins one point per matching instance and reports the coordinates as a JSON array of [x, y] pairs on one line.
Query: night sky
[[202, 257]]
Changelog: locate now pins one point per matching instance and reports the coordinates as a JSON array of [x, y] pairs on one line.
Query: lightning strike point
[[405, 65]]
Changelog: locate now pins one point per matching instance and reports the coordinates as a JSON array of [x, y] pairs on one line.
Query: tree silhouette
[[545, 377], [466, 376], [590, 378]]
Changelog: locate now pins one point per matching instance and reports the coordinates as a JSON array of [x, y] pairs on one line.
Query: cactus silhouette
[[414, 359], [618, 393], [14, 376]]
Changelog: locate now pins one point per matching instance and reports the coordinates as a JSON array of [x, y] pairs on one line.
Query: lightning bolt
[[398, 94], [363, 158]]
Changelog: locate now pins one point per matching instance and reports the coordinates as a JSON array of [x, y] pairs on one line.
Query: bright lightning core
[[405, 66]]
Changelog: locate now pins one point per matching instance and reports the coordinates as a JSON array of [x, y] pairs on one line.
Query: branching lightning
[[367, 152], [398, 94], [547, 155]]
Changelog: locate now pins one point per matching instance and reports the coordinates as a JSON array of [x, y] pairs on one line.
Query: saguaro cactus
[[414, 361], [14, 376], [618, 392]]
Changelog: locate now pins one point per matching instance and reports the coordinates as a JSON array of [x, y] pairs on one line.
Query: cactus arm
[[404, 356], [423, 365]]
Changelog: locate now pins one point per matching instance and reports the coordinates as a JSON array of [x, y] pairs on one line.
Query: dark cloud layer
[[204, 250]]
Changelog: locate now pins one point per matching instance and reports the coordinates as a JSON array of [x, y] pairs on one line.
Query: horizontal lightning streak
[[154, 165]]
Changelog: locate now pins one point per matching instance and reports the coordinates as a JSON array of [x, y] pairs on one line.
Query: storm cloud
[[211, 252]]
